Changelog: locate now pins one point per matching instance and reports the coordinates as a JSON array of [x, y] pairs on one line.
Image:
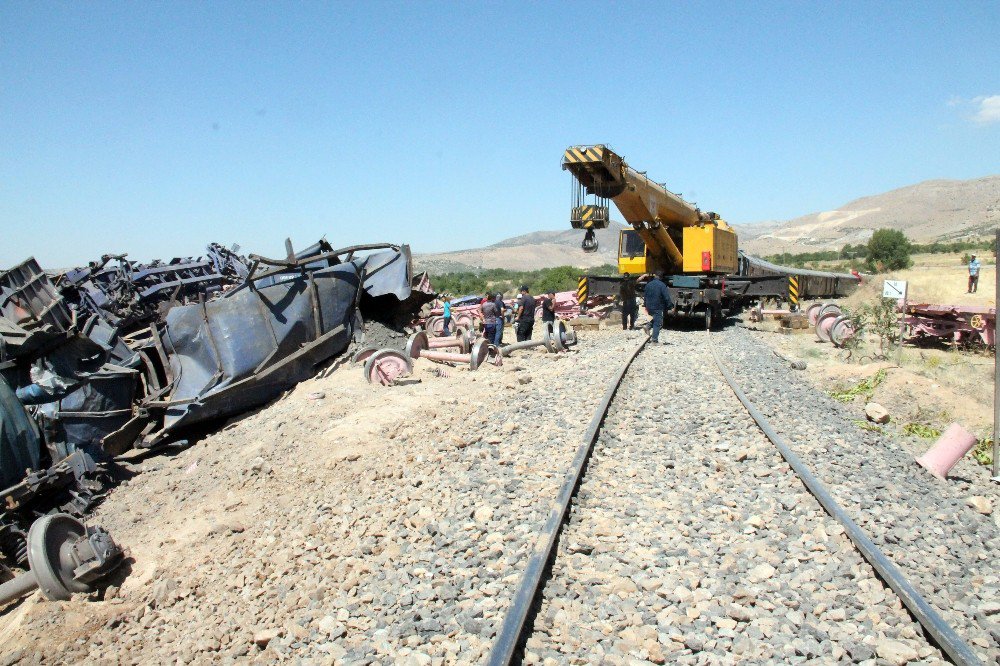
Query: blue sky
[[154, 128]]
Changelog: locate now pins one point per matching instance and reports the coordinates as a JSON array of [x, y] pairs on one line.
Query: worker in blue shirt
[[656, 299], [446, 315], [973, 275]]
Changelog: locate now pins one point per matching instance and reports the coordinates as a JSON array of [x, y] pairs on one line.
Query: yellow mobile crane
[[695, 249], [668, 233], [706, 274]]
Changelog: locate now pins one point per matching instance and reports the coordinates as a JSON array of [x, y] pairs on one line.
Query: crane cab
[[631, 253], [707, 249]]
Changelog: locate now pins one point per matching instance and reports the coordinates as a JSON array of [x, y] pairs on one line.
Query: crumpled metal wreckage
[[120, 355]]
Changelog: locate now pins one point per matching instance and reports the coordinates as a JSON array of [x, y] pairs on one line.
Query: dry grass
[[935, 278]]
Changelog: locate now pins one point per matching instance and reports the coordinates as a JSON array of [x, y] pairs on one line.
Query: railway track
[[691, 538]]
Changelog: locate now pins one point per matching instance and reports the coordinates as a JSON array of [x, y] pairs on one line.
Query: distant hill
[[539, 249], [934, 210]]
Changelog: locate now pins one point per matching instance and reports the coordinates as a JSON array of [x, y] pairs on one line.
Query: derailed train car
[[811, 284], [109, 357]]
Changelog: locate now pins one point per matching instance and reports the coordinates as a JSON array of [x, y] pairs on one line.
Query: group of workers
[[656, 300], [492, 310]]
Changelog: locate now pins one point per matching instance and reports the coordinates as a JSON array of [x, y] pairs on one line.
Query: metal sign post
[[996, 368], [896, 289]]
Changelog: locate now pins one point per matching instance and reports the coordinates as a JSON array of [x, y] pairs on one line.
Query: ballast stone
[[980, 504], [895, 652], [876, 413]]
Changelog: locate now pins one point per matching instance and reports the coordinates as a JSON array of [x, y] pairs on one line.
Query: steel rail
[[940, 631], [511, 631]]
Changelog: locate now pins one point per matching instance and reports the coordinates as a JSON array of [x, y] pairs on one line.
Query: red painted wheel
[[824, 323], [465, 337], [841, 331], [416, 344], [435, 326], [812, 313], [362, 354], [386, 366], [479, 353], [829, 307]]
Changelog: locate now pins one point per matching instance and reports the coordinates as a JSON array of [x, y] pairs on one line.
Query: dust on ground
[[188, 518]]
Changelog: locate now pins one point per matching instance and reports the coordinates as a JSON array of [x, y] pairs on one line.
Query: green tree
[[888, 250]]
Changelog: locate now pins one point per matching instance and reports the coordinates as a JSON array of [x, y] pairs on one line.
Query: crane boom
[[657, 215]]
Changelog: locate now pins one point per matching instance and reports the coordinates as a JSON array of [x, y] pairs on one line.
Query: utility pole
[[996, 366]]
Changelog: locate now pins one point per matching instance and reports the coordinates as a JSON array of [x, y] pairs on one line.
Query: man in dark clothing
[[657, 299], [498, 340], [626, 292], [489, 310], [525, 319], [549, 307]]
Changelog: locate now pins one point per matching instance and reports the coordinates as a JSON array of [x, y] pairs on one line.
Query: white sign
[[894, 289]]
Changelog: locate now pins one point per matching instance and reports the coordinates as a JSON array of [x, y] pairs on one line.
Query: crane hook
[[589, 241]]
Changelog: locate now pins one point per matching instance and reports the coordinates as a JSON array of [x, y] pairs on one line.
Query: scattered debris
[[64, 557], [957, 324], [386, 366], [830, 323], [556, 337], [947, 451]]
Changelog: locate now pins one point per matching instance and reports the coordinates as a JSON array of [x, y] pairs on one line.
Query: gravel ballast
[[347, 523], [693, 541], [344, 523]]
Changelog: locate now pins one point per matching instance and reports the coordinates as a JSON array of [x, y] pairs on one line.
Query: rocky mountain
[[934, 210]]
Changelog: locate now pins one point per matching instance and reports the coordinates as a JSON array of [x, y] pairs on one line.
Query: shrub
[[888, 250], [880, 319]]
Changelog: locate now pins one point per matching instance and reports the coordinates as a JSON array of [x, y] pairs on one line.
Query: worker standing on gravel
[[657, 299], [447, 316], [501, 321], [489, 309], [973, 275], [524, 321], [629, 308]]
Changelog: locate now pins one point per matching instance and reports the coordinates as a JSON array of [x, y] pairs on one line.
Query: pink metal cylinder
[[954, 443], [444, 342], [459, 340], [448, 357]]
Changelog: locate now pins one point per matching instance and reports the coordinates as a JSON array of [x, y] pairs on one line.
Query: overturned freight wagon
[[108, 358], [240, 350]]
